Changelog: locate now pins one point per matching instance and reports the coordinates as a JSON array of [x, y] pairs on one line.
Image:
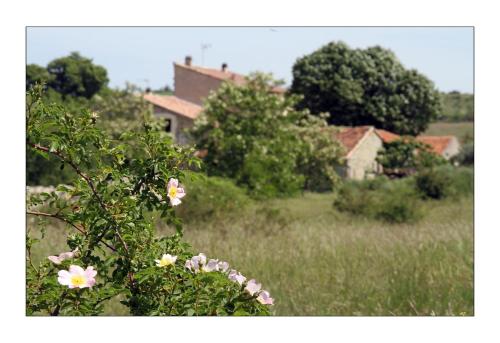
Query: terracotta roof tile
[[238, 79], [387, 136], [438, 143], [349, 137], [174, 104]]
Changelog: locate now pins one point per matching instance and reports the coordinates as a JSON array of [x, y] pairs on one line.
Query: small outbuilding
[[445, 146], [361, 145]]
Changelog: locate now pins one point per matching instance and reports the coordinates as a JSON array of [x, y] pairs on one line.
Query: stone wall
[[452, 149], [362, 164], [178, 124], [193, 86]]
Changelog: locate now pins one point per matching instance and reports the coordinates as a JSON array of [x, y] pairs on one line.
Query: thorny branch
[[80, 229]]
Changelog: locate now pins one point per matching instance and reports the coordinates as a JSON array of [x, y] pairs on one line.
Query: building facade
[[361, 145], [192, 85]]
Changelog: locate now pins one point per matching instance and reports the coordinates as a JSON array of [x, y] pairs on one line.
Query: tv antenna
[[204, 46]]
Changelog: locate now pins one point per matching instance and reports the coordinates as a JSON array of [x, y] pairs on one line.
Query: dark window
[[168, 125]]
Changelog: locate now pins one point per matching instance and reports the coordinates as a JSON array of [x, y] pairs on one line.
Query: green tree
[[365, 87], [78, 76], [36, 74], [258, 138]]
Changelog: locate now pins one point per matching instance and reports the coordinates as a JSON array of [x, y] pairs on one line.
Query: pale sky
[[144, 55]]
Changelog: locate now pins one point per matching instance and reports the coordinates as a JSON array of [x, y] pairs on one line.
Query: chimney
[[188, 61], [224, 67]]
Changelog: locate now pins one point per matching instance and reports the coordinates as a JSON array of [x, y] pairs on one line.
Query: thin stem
[[55, 215], [56, 310], [171, 295], [81, 230], [31, 262]]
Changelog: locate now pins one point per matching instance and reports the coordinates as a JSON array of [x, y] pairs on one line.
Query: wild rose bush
[[113, 251]]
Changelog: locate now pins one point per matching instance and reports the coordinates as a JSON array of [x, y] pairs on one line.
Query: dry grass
[[316, 261]]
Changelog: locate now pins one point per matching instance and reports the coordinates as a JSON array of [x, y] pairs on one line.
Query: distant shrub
[[354, 199], [443, 182], [434, 184], [374, 184], [392, 201], [466, 155], [398, 204], [211, 197]]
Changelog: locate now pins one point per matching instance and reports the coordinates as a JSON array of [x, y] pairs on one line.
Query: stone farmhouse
[[193, 84]]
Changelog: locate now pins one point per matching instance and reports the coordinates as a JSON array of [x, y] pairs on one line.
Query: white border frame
[[424, 12]]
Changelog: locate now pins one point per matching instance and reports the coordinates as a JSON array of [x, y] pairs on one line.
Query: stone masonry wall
[[362, 162], [193, 86]]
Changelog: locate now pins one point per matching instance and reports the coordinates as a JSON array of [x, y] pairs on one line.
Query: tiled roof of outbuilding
[[387, 136], [438, 143], [174, 104], [350, 137]]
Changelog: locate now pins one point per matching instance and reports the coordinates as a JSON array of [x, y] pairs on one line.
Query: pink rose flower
[[63, 256], [212, 265], [236, 277], [265, 298], [223, 266], [76, 277], [252, 287], [174, 192], [198, 263]]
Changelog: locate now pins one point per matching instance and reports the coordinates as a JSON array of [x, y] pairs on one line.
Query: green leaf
[[241, 312]]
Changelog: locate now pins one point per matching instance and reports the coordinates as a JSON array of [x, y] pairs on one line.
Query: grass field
[[463, 130], [316, 261]]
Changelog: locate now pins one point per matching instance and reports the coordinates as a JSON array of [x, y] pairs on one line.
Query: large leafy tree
[[365, 87], [78, 76], [259, 139]]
